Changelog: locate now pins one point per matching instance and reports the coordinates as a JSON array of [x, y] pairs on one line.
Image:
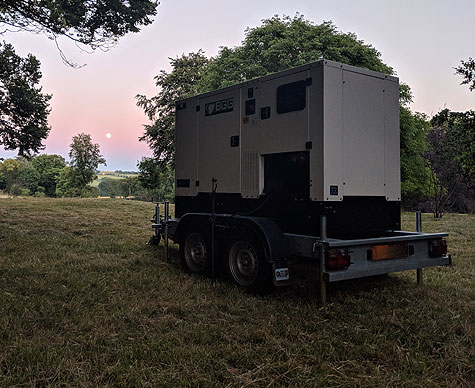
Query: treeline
[[40, 176], [139, 187], [447, 182], [50, 176]]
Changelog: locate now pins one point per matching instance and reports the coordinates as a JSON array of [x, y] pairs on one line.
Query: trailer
[[303, 163]]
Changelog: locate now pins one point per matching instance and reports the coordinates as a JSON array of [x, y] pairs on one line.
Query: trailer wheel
[[247, 266], [195, 253]]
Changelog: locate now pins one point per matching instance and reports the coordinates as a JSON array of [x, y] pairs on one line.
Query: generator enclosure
[[322, 138]]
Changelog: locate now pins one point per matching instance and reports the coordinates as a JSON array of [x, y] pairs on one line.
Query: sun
[[108, 135]]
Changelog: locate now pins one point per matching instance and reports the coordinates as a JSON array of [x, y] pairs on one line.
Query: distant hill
[[113, 175]]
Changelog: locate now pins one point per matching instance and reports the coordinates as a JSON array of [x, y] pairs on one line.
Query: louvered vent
[[250, 171]]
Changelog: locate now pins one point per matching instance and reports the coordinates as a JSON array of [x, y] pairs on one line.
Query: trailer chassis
[[412, 247]]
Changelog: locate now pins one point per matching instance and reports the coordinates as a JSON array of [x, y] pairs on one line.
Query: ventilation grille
[[250, 171]]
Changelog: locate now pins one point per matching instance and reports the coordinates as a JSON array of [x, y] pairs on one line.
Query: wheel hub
[[243, 263], [195, 252]]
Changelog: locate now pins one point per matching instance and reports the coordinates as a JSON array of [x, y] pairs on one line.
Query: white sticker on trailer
[[281, 274]]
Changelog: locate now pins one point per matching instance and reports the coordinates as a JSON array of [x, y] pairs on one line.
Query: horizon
[[421, 43]]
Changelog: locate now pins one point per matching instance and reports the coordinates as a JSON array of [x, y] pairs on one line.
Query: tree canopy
[[451, 157], [277, 44], [24, 109], [467, 71], [96, 23], [284, 42], [85, 158], [182, 82]]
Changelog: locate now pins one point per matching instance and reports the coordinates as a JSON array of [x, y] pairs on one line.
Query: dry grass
[[84, 303]]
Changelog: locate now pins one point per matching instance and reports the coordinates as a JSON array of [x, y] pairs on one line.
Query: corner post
[[157, 218], [419, 230]]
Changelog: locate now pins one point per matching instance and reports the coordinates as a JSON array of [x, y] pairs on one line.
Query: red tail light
[[336, 259], [437, 248]]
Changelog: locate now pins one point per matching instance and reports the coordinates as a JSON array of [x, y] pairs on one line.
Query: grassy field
[[110, 175], [85, 303]]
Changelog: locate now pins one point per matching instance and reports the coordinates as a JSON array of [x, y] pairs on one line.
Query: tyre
[[247, 266], [195, 252]]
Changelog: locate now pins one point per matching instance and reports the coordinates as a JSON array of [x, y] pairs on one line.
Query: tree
[[467, 71], [109, 187], [415, 174], [180, 83], [85, 157], [9, 171], [67, 185], [158, 179], [95, 23], [451, 157], [48, 168], [281, 43], [24, 109]]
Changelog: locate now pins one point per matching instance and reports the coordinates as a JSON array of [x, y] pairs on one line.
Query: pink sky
[[421, 40]]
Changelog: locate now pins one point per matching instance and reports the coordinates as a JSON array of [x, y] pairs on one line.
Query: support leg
[[419, 277], [167, 216], [323, 282]]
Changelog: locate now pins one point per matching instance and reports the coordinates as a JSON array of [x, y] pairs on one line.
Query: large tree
[[24, 109], [278, 44], [284, 42], [451, 156], [95, 23], [49, 168], [85, 156], [180, 83]]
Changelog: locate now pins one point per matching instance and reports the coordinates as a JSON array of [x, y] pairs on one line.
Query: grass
[[110, 175], [85, 303]]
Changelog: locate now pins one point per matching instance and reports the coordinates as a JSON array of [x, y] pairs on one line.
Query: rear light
[[437, 248], [336, 259]]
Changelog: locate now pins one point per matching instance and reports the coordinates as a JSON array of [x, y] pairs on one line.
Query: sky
[[423, 40]]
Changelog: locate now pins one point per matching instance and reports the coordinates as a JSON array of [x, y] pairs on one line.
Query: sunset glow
[[101, 95]]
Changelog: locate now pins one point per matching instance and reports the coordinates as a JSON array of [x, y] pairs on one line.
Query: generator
[[300, 163]]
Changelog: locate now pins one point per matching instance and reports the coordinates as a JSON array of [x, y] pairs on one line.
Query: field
[[110, 175], [85, 303]]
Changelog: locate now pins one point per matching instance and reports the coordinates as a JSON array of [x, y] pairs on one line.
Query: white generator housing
[[346, 118]]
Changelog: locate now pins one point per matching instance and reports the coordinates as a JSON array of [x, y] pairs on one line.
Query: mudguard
[[267, 231]]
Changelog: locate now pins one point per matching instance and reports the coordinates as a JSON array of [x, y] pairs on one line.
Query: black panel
[[235, 141], [182, 183], [291, 97], [250, 107], [287, 175], [250, 92], [354, 217], [265, 112]]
